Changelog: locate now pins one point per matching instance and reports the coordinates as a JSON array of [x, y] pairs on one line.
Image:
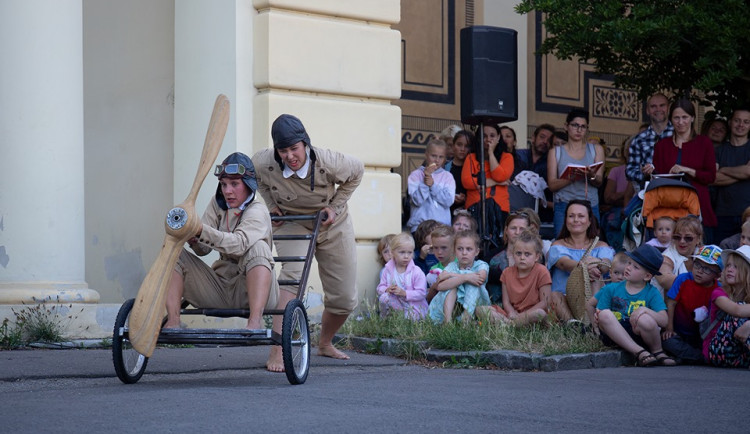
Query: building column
[[41, 143]]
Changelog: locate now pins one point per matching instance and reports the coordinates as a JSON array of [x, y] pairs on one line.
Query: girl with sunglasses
[[687, 239]]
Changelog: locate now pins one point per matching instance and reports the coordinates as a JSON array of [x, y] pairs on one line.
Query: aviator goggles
[[229, 169]]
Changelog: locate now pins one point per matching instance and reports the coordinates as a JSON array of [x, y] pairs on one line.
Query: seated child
[[526, 285], [442, 248], [402, 286], [384, 252], [423, 257], [726, 343], [461, 284], [617, 272], [432, 189], [690, 291], [464, 221], [663, 229], [630, 313]]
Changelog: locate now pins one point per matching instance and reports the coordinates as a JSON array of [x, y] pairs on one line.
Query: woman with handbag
[[498, 168], [576, 238]]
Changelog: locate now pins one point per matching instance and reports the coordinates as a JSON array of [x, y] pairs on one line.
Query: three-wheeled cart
[[295, 333]]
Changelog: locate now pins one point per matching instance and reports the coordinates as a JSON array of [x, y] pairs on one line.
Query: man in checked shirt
[[639, 167]]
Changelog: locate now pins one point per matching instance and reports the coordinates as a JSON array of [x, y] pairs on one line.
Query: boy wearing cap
[[296, 178], [687, 301], [239, 228], [630, 313]]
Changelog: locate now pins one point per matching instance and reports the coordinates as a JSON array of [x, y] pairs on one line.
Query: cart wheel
[[295, 342], [129, 363]]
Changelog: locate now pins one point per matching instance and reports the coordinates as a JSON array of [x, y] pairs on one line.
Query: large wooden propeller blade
[[182, 223]]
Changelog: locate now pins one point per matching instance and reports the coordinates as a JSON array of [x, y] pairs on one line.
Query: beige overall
[[336, 177]]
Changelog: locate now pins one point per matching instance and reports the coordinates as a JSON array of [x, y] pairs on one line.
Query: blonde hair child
[[526, 285], [727, 343], [442, 247], [402, 285], [617, 272], [461, 286]]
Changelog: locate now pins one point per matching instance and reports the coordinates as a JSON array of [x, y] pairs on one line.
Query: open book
[[577, 171]]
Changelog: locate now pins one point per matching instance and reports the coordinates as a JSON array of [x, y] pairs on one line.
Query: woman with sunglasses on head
[[574, 184], [296, 178], [687, 239], [692, 156], [238, 227]]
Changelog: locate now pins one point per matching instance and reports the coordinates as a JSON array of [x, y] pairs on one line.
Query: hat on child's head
[[743, 251], [711, 255], [648, 257]]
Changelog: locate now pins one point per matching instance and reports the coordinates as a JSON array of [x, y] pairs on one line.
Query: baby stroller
[[662, 197]]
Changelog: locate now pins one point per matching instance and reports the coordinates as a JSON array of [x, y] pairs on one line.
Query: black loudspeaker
[[489, 75]]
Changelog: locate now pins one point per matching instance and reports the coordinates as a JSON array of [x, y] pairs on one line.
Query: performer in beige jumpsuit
[[239, 228], [294, 179]]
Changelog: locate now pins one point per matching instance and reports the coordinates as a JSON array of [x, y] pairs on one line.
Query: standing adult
[[498, 168], [296, 179], [691, 155], [535, 157], [462, 144], [641, 155], [577, 185], [733, 177], [508, 135]]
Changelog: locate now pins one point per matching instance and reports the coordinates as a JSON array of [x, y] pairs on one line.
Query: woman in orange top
[[498, 168]]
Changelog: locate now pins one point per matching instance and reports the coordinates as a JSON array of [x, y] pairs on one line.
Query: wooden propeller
[[182, 223]]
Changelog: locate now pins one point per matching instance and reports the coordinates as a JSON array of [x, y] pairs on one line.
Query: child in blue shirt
[[631, 313]]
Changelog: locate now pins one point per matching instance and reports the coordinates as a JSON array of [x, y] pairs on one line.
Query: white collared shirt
[[302, 172]]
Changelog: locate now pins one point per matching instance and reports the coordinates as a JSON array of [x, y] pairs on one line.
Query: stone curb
[[503, 359]]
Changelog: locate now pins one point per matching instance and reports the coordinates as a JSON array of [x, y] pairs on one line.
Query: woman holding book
[[576, 169]]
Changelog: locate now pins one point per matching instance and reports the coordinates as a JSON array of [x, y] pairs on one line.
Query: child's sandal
[[645, 359], [664, 361]]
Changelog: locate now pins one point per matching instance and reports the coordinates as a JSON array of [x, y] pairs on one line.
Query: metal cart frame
[[295, 332]]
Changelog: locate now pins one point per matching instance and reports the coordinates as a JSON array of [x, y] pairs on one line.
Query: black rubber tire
[[129, 364], [295, 342]]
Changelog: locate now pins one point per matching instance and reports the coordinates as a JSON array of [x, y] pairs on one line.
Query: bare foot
[[275, 361], [254, 325], [172, 325], [331, 351]]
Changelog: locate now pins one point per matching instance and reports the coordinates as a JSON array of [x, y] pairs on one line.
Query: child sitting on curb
[[442, 248], [630, 313], [691, 291], [402, 286], [461, 284], [617, 272], [526, 285]]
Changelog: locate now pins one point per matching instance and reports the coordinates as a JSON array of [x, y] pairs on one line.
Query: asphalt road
[[227, 389]]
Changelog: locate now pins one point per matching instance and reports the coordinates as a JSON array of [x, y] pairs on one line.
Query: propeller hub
[[176, 218]]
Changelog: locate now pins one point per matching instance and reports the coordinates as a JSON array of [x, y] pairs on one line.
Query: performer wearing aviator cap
[[295, 179]]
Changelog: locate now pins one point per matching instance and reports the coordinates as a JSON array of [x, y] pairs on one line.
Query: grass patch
[[546, 339], [45, 321]]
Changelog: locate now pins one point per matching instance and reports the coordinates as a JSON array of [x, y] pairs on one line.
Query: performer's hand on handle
[[331, 216], [276, 211]]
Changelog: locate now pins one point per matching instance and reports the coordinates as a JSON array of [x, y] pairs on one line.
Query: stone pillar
[[41, 144]]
